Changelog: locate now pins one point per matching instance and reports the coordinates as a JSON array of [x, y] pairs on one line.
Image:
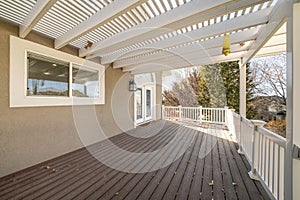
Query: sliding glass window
[[47, 76], [85, 82]]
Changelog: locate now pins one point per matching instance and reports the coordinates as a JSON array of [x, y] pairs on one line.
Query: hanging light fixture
[[226, 45], [132, 86]]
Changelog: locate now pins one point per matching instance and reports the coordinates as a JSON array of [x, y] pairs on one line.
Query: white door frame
[[140, 120], [144, 118], [150, 117]]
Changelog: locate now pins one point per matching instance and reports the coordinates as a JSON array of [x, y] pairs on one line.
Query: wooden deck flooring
[[210, 168]]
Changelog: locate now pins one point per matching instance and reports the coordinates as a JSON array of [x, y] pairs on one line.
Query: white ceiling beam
[[115, 8], [271, 50], [173, 24], [276, 40], [154, 27], [276, 20], [153, 67], [34, 16], [250, 20], [238, 37], [201, 54]]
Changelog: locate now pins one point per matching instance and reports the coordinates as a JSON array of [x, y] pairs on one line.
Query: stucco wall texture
[[29, 136]]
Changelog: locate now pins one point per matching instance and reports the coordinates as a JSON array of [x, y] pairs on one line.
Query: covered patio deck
[[209, 168]]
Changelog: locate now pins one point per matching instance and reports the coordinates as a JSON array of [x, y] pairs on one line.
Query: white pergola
[[142, 36], [152, 35]]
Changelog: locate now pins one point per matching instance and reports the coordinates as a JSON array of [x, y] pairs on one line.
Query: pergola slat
[[137, 33], [253, 19], [191, 20], [201, 54], [147, 68], [276, 20], [236, 38], [104, 15], [34, 16], [121, 34]]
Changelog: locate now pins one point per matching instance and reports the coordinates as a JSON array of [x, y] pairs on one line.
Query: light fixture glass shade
[[132, 86], [226, 45]]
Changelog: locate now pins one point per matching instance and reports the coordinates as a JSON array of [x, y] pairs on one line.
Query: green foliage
[[216, 86], [203, 93], [250, 88], [225, 77]]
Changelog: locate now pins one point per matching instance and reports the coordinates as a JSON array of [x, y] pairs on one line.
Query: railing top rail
[[273, 136], [235, 114], [171, 106], [247, 121], [214, 108], [184, 107]]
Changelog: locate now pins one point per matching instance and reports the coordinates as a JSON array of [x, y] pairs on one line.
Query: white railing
[[264, 149], [208, 115]]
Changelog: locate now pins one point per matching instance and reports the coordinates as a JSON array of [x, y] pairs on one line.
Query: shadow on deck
[[163, 160]]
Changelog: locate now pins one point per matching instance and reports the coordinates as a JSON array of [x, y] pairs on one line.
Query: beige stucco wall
[[29, 136]]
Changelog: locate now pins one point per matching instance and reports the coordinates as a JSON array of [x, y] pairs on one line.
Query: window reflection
[[85, 82], [46, 76]]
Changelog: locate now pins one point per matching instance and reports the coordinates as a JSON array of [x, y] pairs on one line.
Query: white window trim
[[18, 76]]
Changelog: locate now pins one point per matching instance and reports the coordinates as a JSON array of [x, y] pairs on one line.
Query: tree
[[203, 93], [270, 75], [215, 85], [169, 98], [185, 93], [190, 91], [225, 80]]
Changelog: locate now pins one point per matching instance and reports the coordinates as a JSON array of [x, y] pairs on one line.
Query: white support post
[[163, 112], [240, 150], [226, 116], [242, 89], [242, 99], [295, 107], [180, 113], [200, 114], [257, 123], [158, 96]]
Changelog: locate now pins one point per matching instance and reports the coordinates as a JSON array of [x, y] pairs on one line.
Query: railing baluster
[[278, 172], [273, 167], [265, 153], [269, 157]]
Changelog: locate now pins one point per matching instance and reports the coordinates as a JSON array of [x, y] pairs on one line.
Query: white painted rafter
[[104, 15], [198, 55], [250, 20], [35, 15], [153, 67], [236, 38], [242, 22], [173, 24], [276, 20], [137, 33]]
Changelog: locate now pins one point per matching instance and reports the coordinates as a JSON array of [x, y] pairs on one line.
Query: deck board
[[207, 182], [229, 189], [238, 182], [218, 188], [221, 174]]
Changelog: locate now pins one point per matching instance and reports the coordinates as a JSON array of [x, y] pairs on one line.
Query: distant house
[[269, 107]]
